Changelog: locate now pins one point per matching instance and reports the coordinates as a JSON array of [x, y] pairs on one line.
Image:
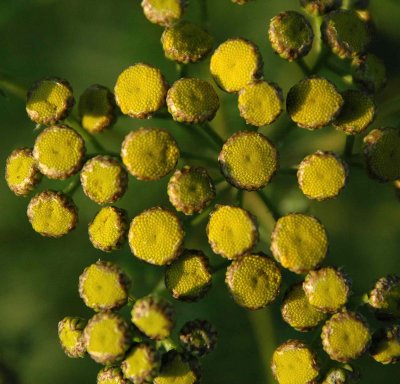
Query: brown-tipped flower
[[164, 13], [385, 348], [70, 333], [111, 375], [384, 298], [370, 72], [198, 337], [320, 7]]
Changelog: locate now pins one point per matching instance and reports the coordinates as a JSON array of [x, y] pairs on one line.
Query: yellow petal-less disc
[[163, 12], [70, 333], [140, 90], [386, 345], [384, 298], [111, 375]]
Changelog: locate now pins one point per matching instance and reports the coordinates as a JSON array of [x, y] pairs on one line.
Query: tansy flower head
[[385, 348], [320, 7], [198, 337], [384, 298], [111, 375], [370, 72], [163, 12], [70, 333]]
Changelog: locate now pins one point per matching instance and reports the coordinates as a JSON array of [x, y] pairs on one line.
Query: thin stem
[[200, 217], [304, 67], [159, 287], [12, 87], [181, 69], [212, 135], [190, 156], [71, 188], [239, 197], [349, 145], [271, 208], [336, 69]]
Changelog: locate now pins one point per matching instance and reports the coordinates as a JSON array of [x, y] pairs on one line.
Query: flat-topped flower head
[[59, 152], [22, 173], [108, 229], [385, 347], [140, 90], [248, 160], [327, 289], [336, 376], [111, 375], [320, 7], [298, 312], [357, 113], [154, 316], [49, 101], [382, 154], [198, 337], [192, 100], [186, 42], [190, 189], [70, 333], [103, 286], [346, 33], [299, 242], [260, 103], [163, 12], [103, 179], [149, 153], [156, 236], [97, 109], [178, 369], [107, 338], [294, 362], [236, 63], [253, 280], [189, 277], [142, 364], [313, 103], [322, 175], [52, 214], [291, 35], [345, 336], [384, 298], [370, 72], [231, 231]]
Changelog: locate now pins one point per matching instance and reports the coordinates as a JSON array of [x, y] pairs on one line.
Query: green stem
[[159, 287], [71, 188], [12, 87], [239, 197], [200, 217], [349, 145], [209, 161], [181, 69], [271, 208], [304, 67], [213, 136]]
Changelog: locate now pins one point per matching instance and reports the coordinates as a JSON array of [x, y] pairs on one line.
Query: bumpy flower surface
[[253, 280], [198, 337], [140, 90], [345, 336], [189, 277], [294, 362], [142, 364], [260, 103], [231, 231], [107, 337], [108, 229], [52, 214], [163, 12], [248, 160], [382, 154], [370, 72], [97, 109], [59, 152], [111, 375], [313, 103], [291, 35], [320, 7], [190, 189], [192, 100], [49, 101], [103, 286], [327, 289], [322, 175], [103, 179], [299, 242], [357, 113], [22, 173], [149, 153], [385, 347], [154, 316], [156, 236], [298, 312], [186, 42], [236, 63], [346, 33], [70, 333], [385, 297]]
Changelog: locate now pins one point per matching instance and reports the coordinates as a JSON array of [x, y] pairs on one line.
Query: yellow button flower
[[49, 101], [386, 345], [322, 175], [103, 179], [384, 298], [149, 153], [189, 277], [260, 103], [370, 72], [192, 100], [59, 151], [253, 280], [320, 7], [299, 242], [163, 12], [231, 231], [140, 90], [294, 362], [22, 173], [313, 103], [52, 214], [236, 63], [248, 160], [156, 236], [70, 333], [198, 337], [111, 375]]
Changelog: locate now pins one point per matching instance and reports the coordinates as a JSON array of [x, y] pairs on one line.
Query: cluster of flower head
[[248, 161]]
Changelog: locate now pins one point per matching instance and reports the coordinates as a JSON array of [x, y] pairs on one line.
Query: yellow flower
[[70, 333], [163, 12], [386, 345], [384, 298], [111, 375]]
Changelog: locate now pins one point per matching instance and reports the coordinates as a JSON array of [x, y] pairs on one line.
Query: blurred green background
[[90, 42]]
